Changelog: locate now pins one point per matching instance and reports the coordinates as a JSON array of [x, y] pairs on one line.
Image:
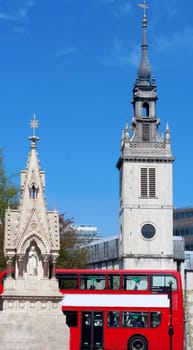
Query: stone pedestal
[[33, 330], [32, 318]]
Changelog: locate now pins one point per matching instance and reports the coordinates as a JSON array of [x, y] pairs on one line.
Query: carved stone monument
[[32, 318]]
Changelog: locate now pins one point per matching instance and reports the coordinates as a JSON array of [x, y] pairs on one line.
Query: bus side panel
[[116, 339], [74, 338]]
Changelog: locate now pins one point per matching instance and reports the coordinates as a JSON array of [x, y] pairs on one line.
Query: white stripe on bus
[[116, 300]]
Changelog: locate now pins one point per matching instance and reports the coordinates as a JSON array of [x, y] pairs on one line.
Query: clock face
[[148, 231]]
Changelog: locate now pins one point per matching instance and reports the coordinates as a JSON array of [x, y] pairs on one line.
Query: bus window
[[113, 319], [92, 282], [113, 282], [135, 282], [68, 281], [161, 283], [71, 318], [134, 319], [155, 319]]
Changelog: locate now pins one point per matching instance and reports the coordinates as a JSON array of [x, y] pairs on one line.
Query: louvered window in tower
[[146, 133], [152, 191], [143, 182], [148, 183]]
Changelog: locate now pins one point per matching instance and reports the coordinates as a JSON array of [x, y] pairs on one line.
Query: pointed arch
[[42, 244], [33, 190]]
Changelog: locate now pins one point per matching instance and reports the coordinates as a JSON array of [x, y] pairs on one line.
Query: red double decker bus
[[123, 309]]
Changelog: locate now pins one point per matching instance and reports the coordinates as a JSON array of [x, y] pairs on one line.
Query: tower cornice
[[147, 160]]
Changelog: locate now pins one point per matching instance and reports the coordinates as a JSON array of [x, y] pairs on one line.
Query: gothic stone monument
[[32, 318]]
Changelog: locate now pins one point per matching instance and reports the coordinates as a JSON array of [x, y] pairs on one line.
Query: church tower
[[145, 167]]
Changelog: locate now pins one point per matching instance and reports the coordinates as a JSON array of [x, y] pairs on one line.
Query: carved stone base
[[31, 303], [31, 285], [32, 328]]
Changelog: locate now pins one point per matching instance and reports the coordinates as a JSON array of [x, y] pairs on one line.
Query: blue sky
[[73, 63]]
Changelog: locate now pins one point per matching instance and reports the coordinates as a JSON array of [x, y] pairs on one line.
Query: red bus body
[[122, 309], [103, 316]]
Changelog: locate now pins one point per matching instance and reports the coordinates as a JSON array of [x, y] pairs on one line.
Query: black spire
[[144, 70]]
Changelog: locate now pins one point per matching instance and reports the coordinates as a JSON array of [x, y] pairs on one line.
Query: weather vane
[[34, 124], [143, 6]]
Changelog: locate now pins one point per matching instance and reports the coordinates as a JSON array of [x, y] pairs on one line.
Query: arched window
[[33, 191], [145, 109]]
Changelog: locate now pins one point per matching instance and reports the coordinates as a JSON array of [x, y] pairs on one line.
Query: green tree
[[2, 259], [73, 251], [8, 197]]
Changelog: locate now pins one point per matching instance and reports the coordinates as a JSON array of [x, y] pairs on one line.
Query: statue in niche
[[32, 263]]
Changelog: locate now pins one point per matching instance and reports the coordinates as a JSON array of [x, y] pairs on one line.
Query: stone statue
[[32, 262]]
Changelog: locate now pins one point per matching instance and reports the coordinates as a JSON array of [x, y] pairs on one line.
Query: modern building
[[104, 253], [188, 262], [87, 232], [183, 226]]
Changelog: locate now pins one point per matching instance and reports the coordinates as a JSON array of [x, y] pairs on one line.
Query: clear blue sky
[[73, 63]]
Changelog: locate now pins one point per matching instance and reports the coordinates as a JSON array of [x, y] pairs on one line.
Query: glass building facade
[[183, 226]]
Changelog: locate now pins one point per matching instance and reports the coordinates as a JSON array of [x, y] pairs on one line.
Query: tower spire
[[144, 70]]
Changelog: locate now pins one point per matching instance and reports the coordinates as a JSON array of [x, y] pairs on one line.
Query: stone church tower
[[32, 317], [145, 166]]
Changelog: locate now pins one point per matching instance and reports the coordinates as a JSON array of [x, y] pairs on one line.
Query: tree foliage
[[2, 259], [73, 252], [8, 197], [8, 191]]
